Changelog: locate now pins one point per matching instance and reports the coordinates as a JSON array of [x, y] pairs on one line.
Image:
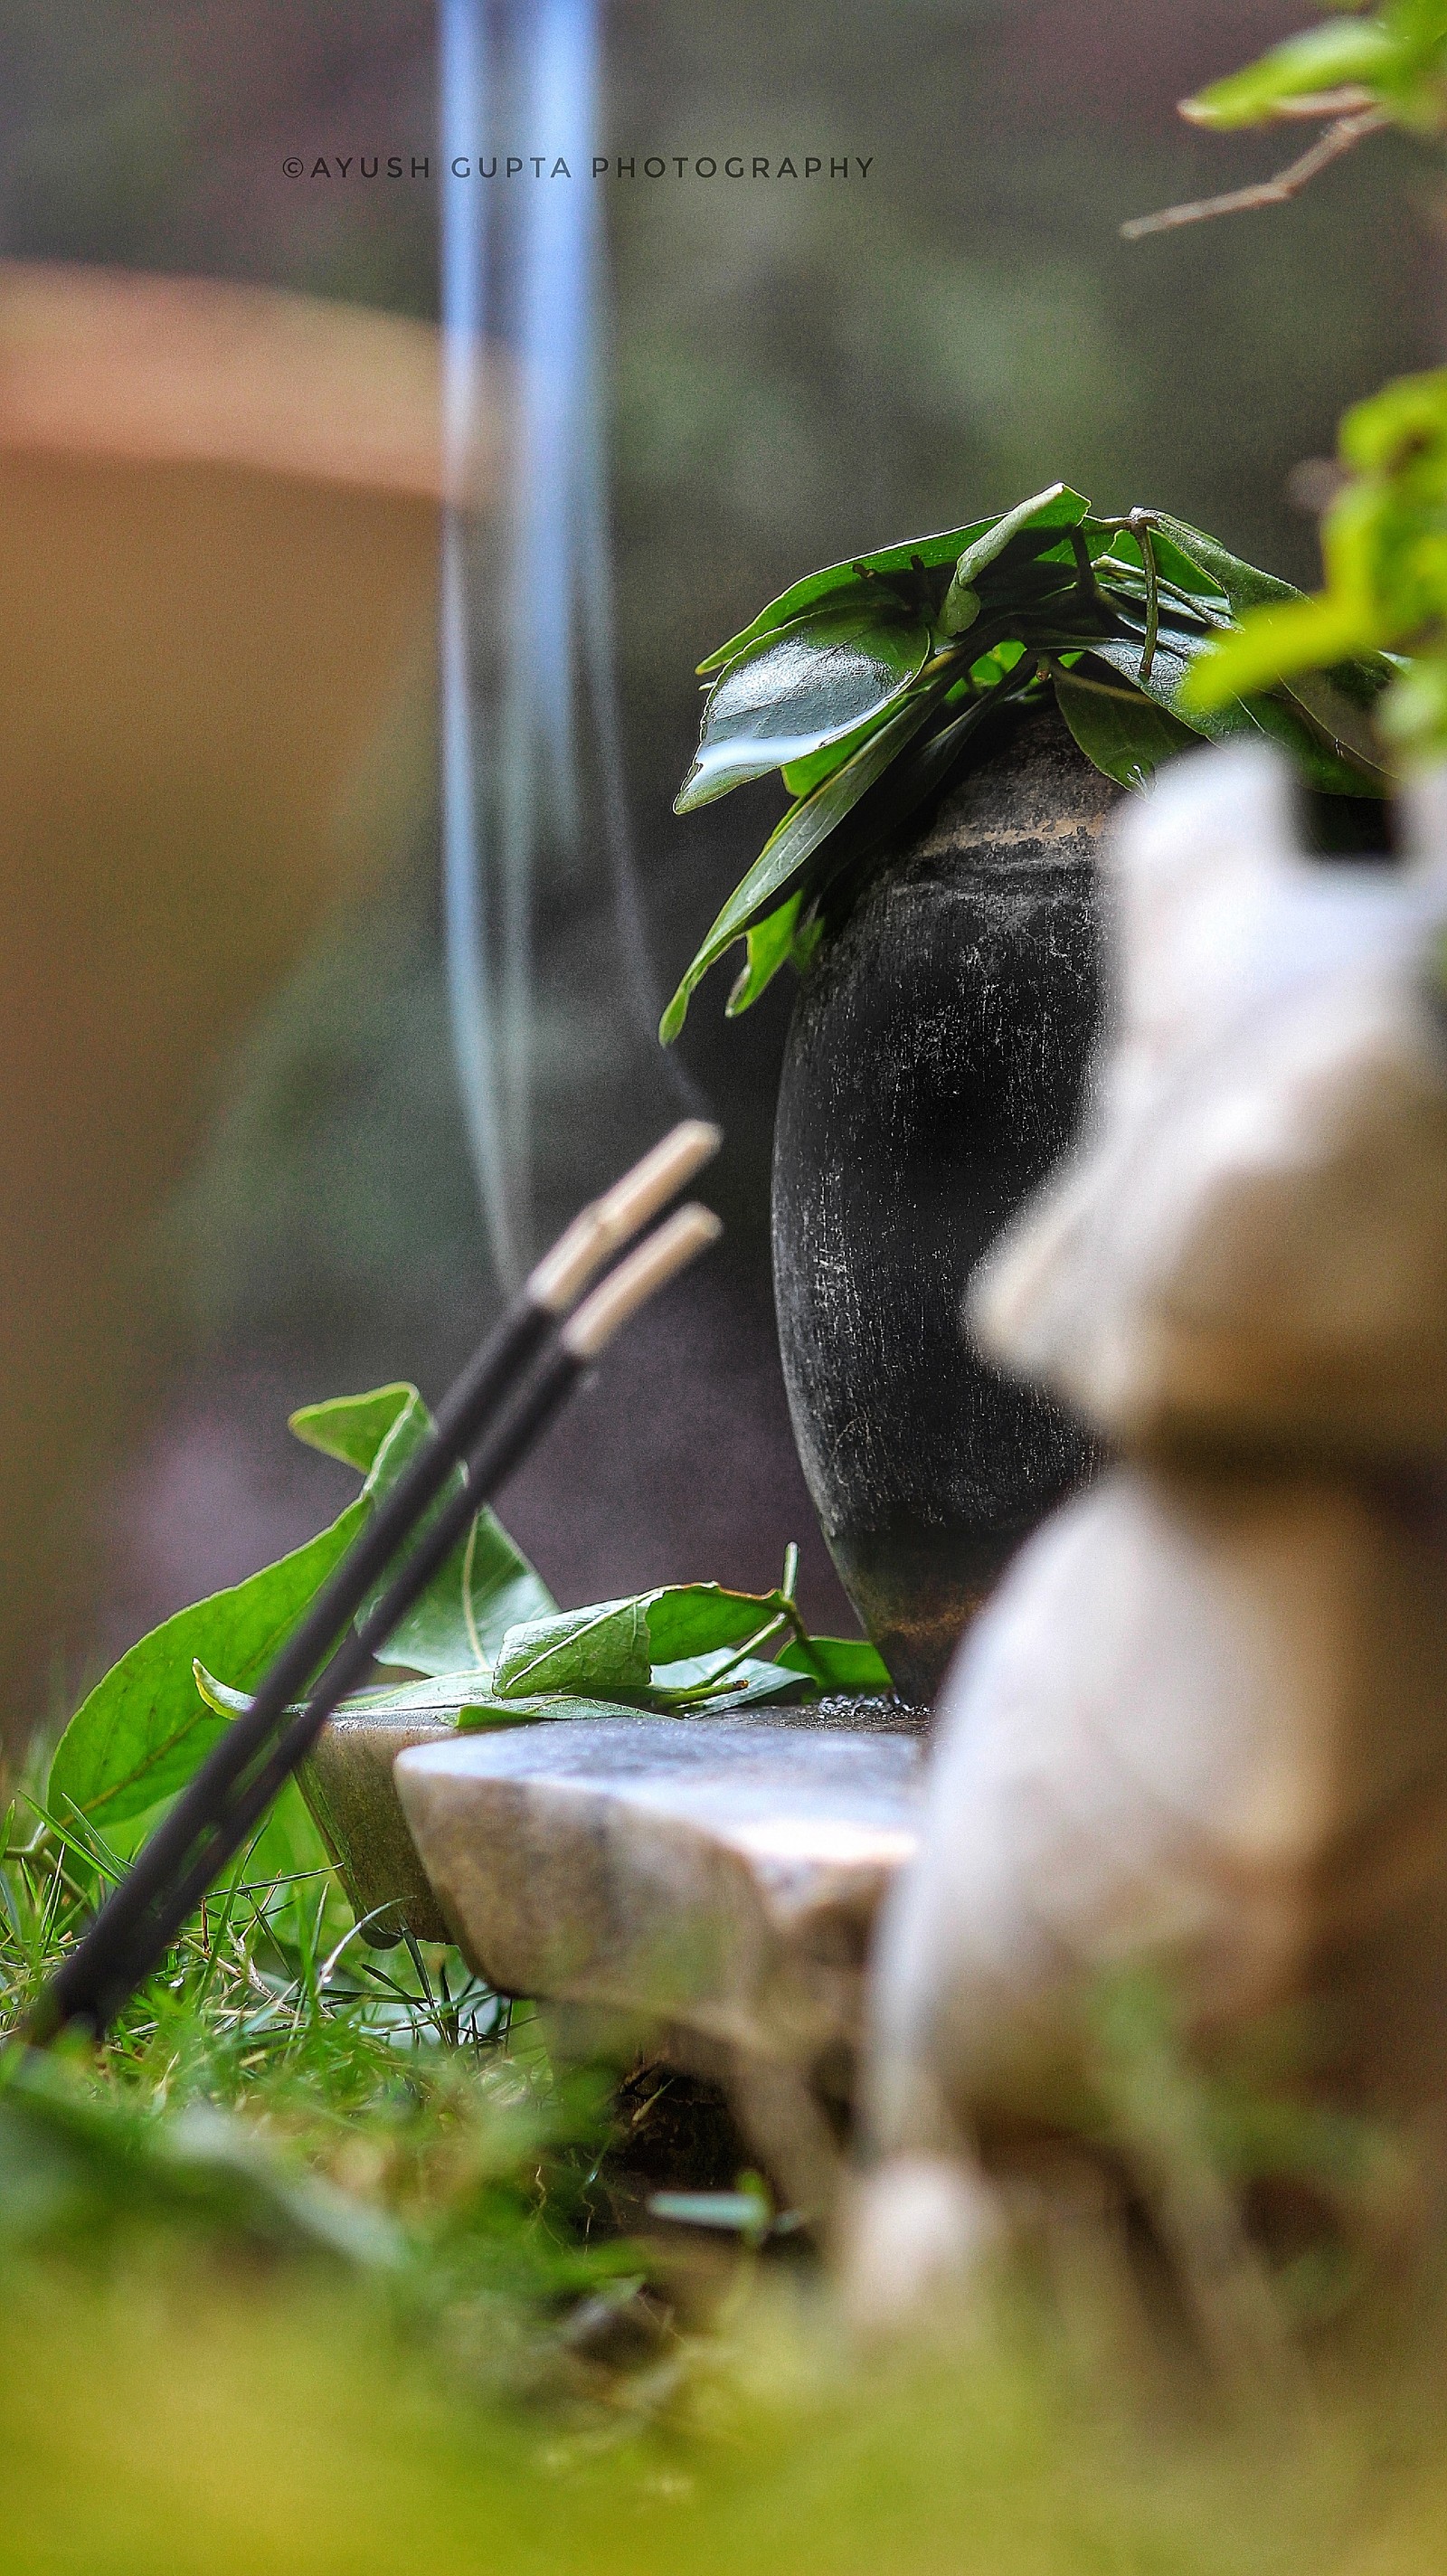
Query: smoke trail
[[553, 338], [461, 103], [600, 657], [557, 585]]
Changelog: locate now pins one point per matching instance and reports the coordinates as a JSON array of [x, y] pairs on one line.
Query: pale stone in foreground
[[1201, 1725]]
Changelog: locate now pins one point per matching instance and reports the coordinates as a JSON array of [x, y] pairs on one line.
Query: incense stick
[[493, 1415]]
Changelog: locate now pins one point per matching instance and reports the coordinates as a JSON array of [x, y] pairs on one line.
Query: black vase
[[933, 1072]]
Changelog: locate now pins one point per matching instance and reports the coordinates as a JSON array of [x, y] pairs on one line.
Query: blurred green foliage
[[1393, 58], [1385, 535]]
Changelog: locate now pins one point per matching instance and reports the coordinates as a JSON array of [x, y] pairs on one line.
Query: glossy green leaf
[[816, 682], [915, 775], [1126, 735], [599, 1650], [895, 795], [486, 1586], [793, 840], [1175, 565], [801, 777], [1317, 760], [438, 1695], [751, 1684], [850, 584], [355, 1428], [450, 1695], [142, 1731], [1056, 506], [1172, 660], [839, 1664], [1294, 636], [1030, 601]]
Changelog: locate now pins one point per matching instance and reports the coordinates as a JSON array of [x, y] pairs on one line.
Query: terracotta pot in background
[[219, 514]]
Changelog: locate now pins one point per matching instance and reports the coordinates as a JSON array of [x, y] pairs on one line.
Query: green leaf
[[840, 1664], [1243, 585], [560, 1707], [1056, 506], [355, 1428], [613, 1646], [769, 945], [142, 1731], [791, 843], [486, 1586], [752, 1683], [600, 1650], [813, 683], [660, 1649], [695, 1618], [848, 584], [802, 776], [1172, 660], [1343, 53], [1168, 683], [1125, 735], [905, 784], [439, 1695]]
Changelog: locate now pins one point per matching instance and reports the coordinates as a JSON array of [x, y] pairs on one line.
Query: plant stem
[[1153, 604]]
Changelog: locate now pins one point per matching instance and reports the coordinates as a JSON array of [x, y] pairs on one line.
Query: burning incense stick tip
[[614, 1219], [635, 1280]]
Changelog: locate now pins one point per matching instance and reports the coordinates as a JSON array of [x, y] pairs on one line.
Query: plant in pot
[[953, 718]]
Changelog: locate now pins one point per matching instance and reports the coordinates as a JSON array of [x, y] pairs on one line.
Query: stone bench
[[703, 1887]]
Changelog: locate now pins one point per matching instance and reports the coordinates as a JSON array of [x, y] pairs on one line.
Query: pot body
[[934, 1070]]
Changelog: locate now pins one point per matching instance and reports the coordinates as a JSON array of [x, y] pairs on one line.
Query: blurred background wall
[[799, 370]]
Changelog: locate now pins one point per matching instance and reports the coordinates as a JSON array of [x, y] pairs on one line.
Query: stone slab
[[347, 1783], [718, 1875]]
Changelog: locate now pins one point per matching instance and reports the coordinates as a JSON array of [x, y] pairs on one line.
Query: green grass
[[317, 2266]]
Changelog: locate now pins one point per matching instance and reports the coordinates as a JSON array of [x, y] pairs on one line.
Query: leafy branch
[[864, 684], [1356, 74], [1384, 537]]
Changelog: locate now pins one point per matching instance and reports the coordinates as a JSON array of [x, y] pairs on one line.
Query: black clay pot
[[933, 1073]]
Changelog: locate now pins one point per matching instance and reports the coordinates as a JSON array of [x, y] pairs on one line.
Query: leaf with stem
[[803, 828], [486, 1585], [811, 684]]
